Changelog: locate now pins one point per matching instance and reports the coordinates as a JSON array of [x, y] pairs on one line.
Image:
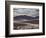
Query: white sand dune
[[24, 25]]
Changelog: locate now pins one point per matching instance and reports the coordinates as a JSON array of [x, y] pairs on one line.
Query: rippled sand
[[18, 26]]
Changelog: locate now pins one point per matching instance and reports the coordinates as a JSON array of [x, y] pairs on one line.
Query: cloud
[[26, 11]]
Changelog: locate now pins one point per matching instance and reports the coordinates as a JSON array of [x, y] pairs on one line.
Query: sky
[[26, 11]]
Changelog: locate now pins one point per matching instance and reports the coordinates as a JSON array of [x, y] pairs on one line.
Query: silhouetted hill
[[25, 17]]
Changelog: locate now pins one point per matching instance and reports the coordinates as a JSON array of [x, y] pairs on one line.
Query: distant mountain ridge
[[25, 17]]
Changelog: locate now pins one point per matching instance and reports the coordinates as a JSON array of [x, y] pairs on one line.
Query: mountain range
[[25, 17]]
